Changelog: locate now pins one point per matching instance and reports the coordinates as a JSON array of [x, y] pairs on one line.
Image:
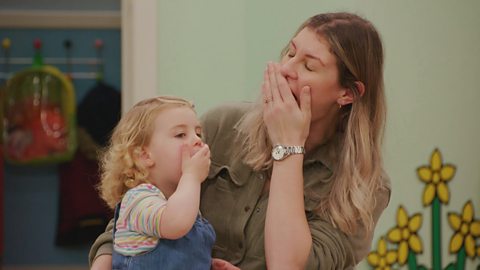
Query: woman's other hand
[[102, 262], [219, 264]]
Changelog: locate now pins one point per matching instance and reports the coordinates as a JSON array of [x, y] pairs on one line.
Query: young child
[[151, 175]]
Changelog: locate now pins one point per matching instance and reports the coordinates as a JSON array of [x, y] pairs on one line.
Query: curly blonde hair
[[120, 167]]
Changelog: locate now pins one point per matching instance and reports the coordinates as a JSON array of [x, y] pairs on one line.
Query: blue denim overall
[[192, 251]]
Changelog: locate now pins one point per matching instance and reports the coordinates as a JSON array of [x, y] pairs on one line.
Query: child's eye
[[180, 135], [199, 135]]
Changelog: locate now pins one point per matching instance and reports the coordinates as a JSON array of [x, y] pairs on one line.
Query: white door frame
[[139, 51]]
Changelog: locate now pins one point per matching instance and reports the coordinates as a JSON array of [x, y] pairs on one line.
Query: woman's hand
[[103, 262], [219, 264], [287, 122]]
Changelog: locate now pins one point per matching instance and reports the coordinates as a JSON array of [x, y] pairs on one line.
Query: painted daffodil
[[467, 229], [405, 234], [382, 259], [436, 176]]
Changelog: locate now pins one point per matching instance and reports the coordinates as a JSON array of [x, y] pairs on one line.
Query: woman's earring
[[339, 105]]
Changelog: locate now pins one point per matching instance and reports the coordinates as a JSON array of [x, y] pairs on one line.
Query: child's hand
[[198, 164]]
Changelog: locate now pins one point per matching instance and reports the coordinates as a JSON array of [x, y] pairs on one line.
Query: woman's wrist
[[281, 152]]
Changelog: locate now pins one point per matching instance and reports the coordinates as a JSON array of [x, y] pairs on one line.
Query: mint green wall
[[215, 51], [202, 54]]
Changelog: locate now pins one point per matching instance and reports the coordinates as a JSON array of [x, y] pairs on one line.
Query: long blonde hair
[[359, 172], [120, 162]]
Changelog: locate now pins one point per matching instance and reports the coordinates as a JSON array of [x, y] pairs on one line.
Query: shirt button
[[258, 210], [261, 176], [246, 208]]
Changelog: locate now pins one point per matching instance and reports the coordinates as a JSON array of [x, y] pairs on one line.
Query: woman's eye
[[180, 135], [199, 135], [290, 53]]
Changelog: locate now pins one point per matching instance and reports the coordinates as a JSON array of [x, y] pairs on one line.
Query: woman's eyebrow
[[309, 55]]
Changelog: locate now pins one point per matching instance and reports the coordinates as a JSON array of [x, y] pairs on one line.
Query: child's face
[[173, 128]]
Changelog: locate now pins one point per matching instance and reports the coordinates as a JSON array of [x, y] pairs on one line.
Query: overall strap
[[117, 212]]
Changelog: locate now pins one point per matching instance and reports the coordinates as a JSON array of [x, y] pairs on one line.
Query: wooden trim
[[61, 19]]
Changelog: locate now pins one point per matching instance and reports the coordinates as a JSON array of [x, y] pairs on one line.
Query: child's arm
[[182, 207]]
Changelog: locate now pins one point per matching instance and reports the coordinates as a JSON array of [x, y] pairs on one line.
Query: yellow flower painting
[[436, 176], [405, 234], [382, 259], [466, 228]]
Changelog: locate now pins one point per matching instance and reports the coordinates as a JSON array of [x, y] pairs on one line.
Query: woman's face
[[309, 62]]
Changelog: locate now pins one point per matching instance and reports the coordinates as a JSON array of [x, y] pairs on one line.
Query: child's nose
[[197, 142]]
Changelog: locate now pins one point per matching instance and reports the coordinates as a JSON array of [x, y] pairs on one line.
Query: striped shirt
[[138, 224]]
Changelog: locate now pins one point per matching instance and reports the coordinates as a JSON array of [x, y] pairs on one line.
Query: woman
[[296, 180]]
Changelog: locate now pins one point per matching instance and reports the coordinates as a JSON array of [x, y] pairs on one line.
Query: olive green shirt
[[233, 202]]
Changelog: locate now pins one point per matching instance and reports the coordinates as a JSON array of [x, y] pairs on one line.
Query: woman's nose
[[287, 69]]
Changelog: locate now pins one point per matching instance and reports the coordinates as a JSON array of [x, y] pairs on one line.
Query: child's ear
[[348, 96], [145, 157]]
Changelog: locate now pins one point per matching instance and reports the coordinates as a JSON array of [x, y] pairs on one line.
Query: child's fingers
[[185, 153], [203, 152]]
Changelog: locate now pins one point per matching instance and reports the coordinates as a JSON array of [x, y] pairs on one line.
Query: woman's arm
[[102, 262], [332, 249], [287, 235], [103, 245]]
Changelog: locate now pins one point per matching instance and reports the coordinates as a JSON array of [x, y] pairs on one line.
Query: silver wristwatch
[[280, 152]]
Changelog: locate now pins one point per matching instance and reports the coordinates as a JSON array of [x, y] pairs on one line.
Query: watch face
[[278, 152]]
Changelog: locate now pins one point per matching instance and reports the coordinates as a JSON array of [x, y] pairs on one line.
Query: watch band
[[295, 150], [280, 152]]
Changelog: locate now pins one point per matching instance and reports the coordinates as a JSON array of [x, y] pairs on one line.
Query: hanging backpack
[[39, 116]]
